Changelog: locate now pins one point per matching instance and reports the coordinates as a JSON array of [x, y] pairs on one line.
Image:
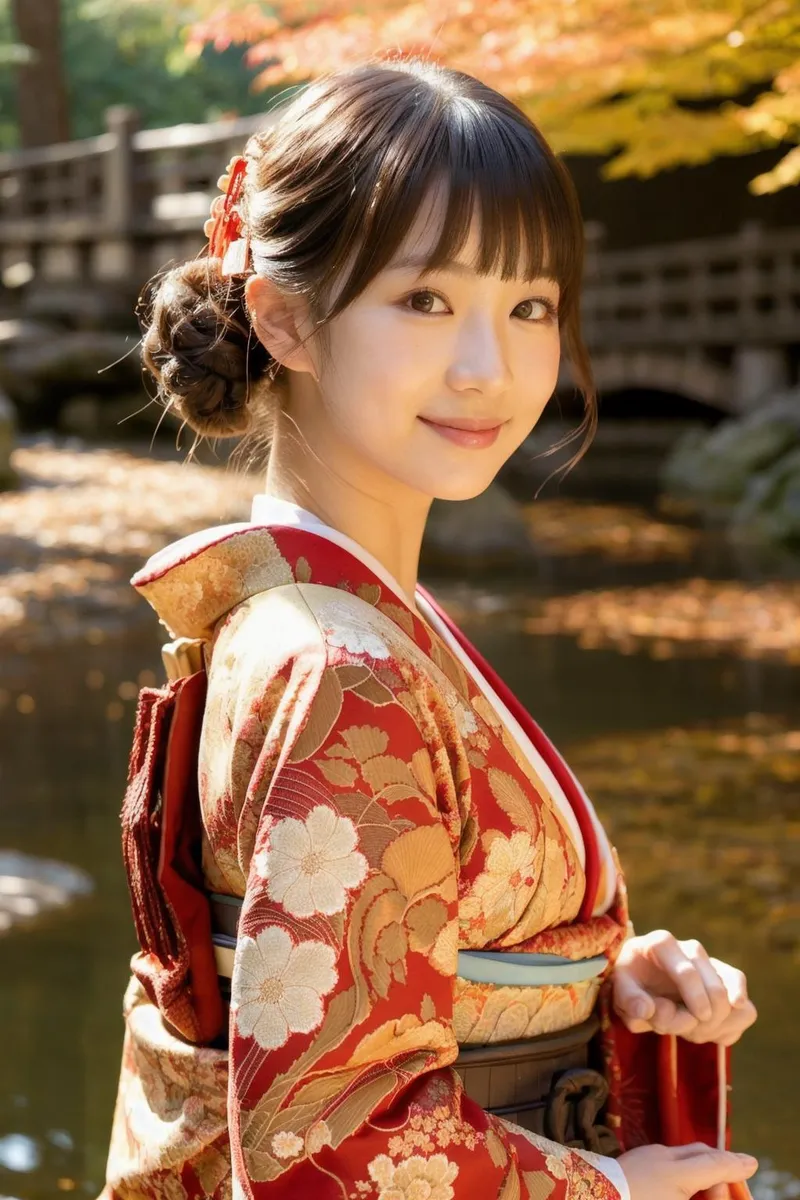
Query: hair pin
[[225, 240]]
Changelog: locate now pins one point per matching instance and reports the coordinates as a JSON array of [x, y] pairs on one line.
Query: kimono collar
[[194, 582], [269, 510]]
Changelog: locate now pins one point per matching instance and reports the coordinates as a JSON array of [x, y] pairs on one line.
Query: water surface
[[690, 760]]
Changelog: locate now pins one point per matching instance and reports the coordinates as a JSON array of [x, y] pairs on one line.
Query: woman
[[401, 868]]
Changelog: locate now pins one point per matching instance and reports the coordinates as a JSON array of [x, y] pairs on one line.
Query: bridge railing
[[116, 208], [704, 292]]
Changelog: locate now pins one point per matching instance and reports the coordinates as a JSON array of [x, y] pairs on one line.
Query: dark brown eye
[[529, 307], [423, 301]]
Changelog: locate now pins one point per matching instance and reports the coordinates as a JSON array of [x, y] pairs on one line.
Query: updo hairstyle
[[331, 190]]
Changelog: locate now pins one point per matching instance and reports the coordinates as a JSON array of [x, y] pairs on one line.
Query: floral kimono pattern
[[367, 799]]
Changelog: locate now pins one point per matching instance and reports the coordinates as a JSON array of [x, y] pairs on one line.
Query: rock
[[716, 468], [17, 331], [488, 531], [8, 429], [31, 887], [101, 306], [784, 407], [80, 415], [770, 508], [69, 361], [91, 416]]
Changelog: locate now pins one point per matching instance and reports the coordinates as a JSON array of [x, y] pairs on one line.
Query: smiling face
[[430, 379]]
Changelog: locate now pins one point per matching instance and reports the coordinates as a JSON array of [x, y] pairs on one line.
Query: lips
[[473, 424], [472, 433]]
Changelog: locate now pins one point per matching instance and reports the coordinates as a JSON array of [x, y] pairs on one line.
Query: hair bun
[[200, 347]]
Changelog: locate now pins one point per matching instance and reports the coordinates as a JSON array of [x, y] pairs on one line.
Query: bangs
[[483, 162]]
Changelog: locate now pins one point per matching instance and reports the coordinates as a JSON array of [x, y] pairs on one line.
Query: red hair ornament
[[227, 239]]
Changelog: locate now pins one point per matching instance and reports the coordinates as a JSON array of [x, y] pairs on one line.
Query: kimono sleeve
[[341, 1036]]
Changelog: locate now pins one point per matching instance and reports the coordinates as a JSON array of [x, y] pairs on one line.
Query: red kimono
[[386, 808]]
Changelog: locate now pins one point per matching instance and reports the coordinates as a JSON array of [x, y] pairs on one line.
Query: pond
[[691, 758]]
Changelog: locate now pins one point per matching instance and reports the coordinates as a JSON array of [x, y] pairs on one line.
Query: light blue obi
[[508, 969], [499, 967]]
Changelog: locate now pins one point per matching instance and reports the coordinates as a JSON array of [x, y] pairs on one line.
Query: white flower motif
[[355, 638], [317, 1136], [277, 986], [415, 1178], [310, 865], [555, 1166], [286, 1144], [465, 720]]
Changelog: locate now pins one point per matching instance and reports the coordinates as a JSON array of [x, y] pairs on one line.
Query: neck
[[330, 480]]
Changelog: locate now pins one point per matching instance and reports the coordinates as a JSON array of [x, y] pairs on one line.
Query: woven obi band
[[549, 1084]]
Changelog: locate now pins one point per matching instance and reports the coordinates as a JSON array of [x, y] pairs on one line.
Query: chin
[[460, 489]]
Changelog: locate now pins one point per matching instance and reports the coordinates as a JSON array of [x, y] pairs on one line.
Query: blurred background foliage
[[116, 52], [649, 86]]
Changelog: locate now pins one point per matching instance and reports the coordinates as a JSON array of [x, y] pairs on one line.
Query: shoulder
[[337, 625]]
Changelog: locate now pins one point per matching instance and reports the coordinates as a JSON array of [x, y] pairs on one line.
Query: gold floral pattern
[[484, 1013], [370, 807], [415, 1178]]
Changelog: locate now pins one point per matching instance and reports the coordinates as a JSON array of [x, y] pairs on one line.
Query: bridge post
[[758, 369], [757, 372], [114, 258]]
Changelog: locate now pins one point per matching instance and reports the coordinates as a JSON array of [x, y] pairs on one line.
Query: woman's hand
[[677, 1172], [667, 986]]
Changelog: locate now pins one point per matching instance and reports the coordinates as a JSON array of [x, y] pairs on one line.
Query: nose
[[480, 362]]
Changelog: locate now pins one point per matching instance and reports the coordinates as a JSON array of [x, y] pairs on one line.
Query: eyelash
[[551, 308]]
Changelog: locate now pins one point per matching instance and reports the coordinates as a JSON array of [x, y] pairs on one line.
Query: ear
[[278, 321]]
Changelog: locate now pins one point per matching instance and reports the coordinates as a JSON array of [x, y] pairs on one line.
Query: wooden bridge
[[84, 224]]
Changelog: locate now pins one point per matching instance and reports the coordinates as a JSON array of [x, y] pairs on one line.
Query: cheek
[[386, 377], [543, 370], [536, 378]]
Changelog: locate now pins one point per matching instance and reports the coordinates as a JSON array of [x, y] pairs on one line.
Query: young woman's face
[[434, 380]]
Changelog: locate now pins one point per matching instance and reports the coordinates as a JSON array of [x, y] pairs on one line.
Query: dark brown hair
[[332, 189]]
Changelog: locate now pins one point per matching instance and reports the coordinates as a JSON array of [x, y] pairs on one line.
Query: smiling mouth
[[473, 433]]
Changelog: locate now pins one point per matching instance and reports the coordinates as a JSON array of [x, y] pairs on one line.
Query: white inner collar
[[272, 510]]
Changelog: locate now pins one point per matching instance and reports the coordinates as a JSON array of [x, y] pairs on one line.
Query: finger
[[729, 1032], [720, 1191], [689, 1150], [735, 982], [672, 958], [672, 1018], [703, 1170], [716, 986], [630, 998]]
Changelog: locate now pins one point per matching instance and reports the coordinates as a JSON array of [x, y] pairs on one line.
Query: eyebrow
[[420, 263]]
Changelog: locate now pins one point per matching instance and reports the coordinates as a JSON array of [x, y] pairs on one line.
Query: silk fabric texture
[[379, 808]]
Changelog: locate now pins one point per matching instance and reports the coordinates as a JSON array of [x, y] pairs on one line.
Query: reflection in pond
[[617, 532], [31, 887], [692, 760]]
